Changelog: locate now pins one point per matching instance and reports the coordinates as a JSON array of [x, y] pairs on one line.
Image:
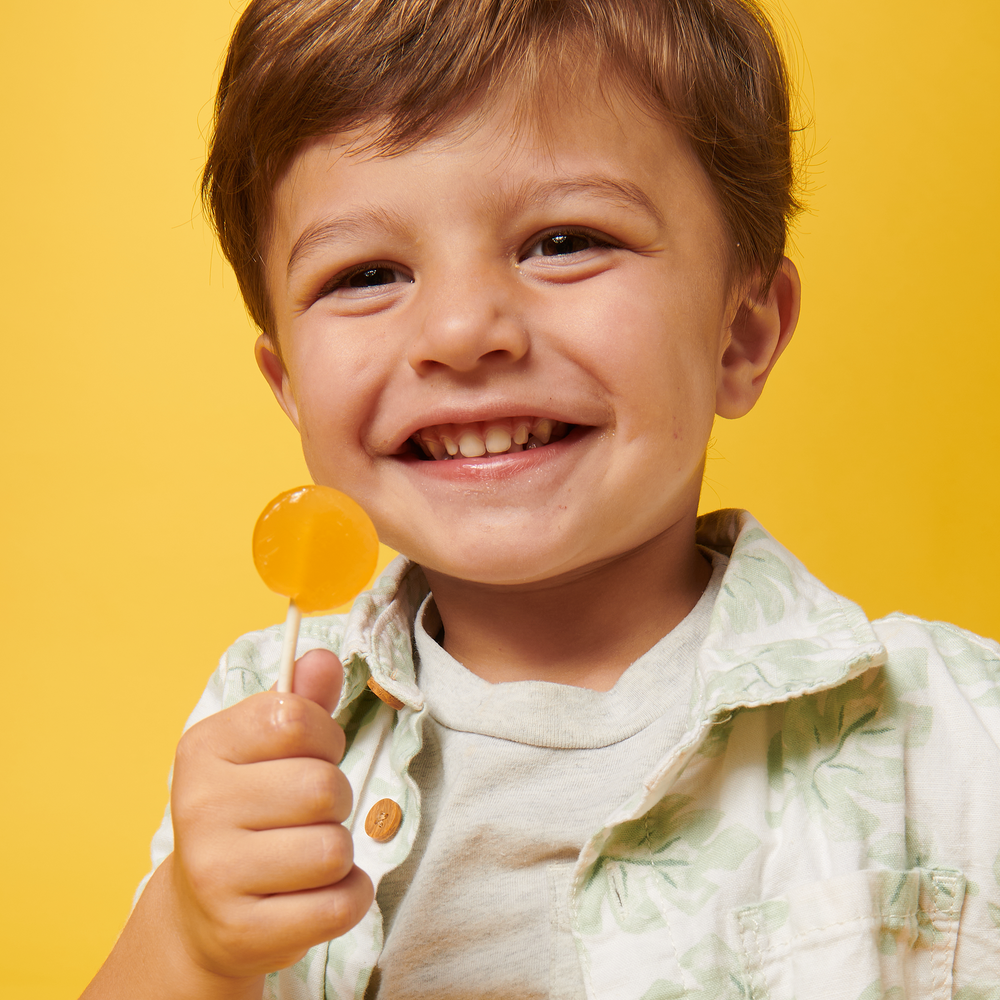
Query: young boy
[[509, 260]]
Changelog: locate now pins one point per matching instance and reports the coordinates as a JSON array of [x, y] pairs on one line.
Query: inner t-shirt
[[514, 779]]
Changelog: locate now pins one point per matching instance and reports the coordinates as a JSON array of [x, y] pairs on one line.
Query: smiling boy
[[509, 261], [497, 323]]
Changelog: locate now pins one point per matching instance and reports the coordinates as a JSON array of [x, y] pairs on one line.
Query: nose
[[469, 323]]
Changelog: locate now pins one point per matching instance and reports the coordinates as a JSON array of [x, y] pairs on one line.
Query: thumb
[[319, 676]]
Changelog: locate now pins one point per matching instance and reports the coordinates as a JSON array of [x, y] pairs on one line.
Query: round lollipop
[[317, 547]]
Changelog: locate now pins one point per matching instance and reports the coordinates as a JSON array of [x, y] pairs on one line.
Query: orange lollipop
[[318, 548]]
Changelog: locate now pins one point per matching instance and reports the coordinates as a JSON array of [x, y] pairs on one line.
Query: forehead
[[500, 160]]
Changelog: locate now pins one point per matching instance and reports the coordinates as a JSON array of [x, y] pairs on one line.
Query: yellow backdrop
[[140, 442]]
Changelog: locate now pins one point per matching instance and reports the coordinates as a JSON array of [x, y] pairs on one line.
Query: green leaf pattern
[[672, 855], [793, 697], [835, 751], [713, 966]]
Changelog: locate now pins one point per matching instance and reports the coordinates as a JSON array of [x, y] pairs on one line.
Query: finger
[[307, 918], [293, 859], [266, 726], [260, 933], [319, 677], [288, 792]]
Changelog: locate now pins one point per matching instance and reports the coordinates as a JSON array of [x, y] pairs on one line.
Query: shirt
[[509, 796], [825, 827]]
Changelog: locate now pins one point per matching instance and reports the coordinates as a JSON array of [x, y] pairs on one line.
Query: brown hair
[[300, 69]]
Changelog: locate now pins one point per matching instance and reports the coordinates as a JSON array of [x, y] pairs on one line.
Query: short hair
[[300, 69]]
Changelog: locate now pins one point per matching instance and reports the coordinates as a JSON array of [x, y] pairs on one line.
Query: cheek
[[326, 407], [331, 376], [654, 355]]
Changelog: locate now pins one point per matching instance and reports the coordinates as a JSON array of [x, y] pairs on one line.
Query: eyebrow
[[366, 222], [341, 229], [623, 192]]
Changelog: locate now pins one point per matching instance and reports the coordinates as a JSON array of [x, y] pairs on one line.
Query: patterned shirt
[[826, 827]]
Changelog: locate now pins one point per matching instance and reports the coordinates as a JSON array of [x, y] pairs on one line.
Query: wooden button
[[380, 692], [383, 820]]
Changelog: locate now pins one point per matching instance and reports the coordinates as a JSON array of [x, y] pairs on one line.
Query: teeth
[[494, 440], [497, 441], [471, 445], [543, 431]]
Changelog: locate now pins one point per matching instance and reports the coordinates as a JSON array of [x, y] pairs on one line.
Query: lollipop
[[318, 548]]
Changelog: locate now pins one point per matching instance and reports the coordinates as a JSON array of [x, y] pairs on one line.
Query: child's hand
[[262, 869]]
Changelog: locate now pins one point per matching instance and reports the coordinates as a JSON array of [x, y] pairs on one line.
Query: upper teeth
[[476, 440], [471, 445], [497, 441]]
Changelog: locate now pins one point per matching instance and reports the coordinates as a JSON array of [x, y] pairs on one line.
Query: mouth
[[508, 435]]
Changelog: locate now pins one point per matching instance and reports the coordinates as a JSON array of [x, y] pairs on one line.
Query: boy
[[509, 260]]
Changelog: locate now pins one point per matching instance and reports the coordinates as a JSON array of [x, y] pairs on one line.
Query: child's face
[[484, 280]]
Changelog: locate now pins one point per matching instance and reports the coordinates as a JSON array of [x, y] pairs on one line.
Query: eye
[[372, 276], [564, 243], [369, 276]]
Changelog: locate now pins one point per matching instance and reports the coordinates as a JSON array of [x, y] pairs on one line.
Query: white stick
[[287, 667]]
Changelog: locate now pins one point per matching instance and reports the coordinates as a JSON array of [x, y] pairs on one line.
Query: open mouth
[[506, 436]]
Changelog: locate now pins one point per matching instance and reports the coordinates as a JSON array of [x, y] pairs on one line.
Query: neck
[[583, 629]]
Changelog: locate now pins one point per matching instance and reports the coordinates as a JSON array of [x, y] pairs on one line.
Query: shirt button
[[383, 820], [380, 692]]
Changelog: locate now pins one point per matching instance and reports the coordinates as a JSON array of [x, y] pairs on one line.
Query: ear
[[759, 332], [273, 370]]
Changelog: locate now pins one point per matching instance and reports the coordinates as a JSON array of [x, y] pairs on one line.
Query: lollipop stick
[[287, 666]]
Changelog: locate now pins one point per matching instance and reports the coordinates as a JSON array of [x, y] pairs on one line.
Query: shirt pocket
[[865, 936]]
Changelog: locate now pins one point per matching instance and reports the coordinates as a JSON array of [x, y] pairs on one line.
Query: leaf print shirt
[[825, 825]]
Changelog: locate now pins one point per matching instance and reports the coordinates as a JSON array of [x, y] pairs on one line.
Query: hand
[[262, 869]]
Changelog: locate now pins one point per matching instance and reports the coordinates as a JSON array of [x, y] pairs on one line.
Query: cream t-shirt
[[514, 779]]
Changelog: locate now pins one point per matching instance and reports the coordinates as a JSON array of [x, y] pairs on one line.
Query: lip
[[495, 466]]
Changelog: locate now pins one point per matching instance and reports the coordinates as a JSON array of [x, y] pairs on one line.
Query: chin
[[482, 563], [500, 565]]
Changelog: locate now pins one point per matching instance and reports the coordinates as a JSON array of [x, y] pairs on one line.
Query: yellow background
[[139, 442]]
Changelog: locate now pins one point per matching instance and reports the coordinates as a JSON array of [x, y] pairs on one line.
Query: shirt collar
[[776, 632]]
